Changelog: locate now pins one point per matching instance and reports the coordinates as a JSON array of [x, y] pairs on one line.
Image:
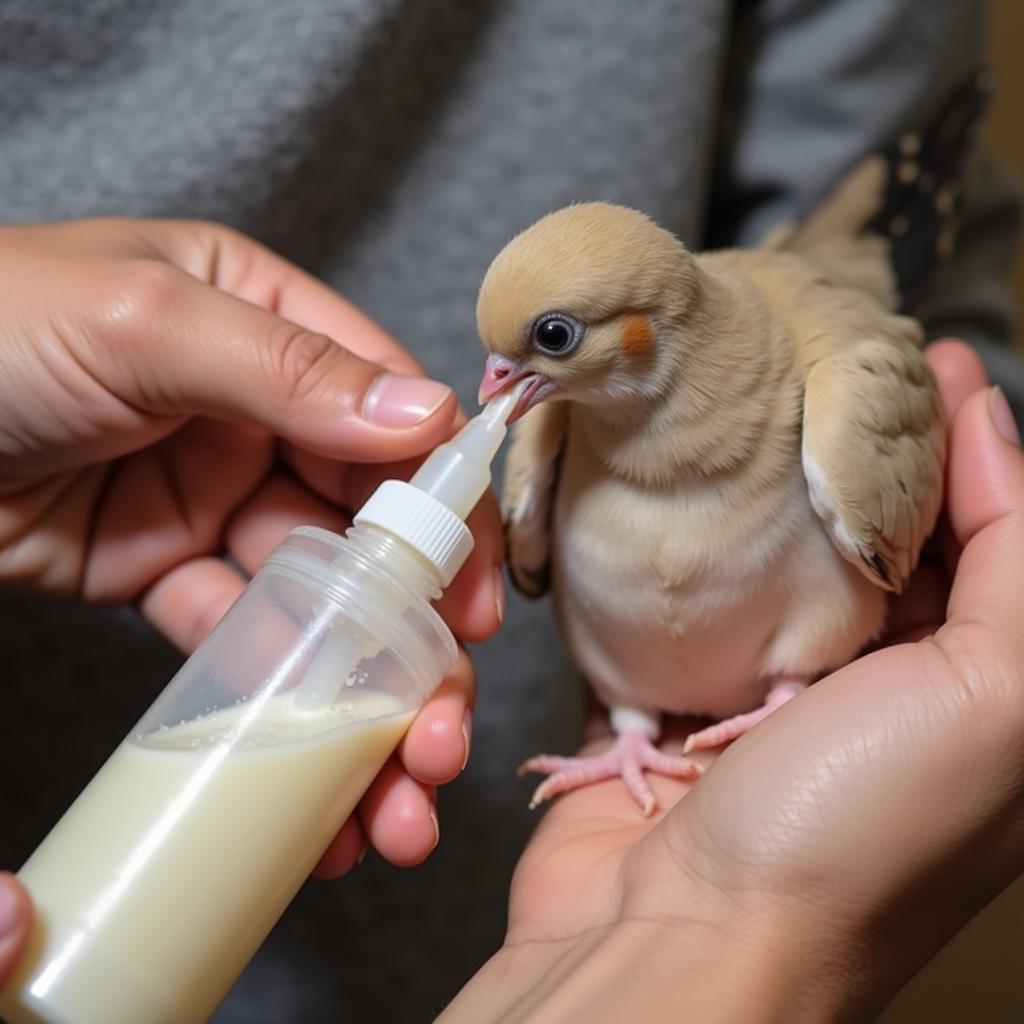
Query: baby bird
[[724, 462]]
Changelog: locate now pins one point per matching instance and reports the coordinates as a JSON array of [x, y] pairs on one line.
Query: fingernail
[[9, 908], [499, 594], [397, 401], [363, 852], [437, 827], [1002, 416], [467, 732]]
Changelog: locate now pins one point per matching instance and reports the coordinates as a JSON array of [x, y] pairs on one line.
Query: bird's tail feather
[[893, 218]]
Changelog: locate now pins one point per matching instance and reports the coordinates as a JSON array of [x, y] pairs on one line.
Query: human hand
[[827, 854], [174, 398]]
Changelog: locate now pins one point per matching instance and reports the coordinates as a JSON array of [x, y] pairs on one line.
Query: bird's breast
[[670, 598]]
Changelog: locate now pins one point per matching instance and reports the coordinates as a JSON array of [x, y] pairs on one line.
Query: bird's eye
[[557, 334]]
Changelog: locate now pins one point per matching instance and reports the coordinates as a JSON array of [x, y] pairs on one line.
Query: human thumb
[[173, 345], [15, 918], [986, 506]]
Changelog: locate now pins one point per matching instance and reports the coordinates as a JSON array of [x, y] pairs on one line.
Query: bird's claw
[[730, 729], [629, 757]]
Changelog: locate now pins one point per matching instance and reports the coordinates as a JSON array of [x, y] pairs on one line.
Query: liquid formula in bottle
[[172, 819]]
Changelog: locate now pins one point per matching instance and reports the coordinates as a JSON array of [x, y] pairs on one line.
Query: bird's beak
[[500, 373]]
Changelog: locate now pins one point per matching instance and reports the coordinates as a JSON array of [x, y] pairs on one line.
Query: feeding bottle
[[162, 879]]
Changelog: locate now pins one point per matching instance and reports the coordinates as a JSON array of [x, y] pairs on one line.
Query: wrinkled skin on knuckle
[[223, 256], [300, 361], [129, 310], [132, 297], [987, 669]]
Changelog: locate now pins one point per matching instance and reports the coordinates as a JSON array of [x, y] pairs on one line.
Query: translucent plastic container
[[161, 881]]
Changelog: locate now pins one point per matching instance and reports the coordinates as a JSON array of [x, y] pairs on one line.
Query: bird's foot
[[629, 756], [730, 729]]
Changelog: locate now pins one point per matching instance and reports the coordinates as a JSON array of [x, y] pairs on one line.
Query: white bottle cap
[[428, 513], [426, 525]]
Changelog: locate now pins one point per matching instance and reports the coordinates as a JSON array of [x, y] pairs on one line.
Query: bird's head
[[591, 304]]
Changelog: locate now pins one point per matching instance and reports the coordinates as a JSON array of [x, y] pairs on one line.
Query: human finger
[[187, 602], [278, 506], [399, 817], [346, 850], [986, 513], [436, 748], [172, 346], [234, 263], [958, 370], [167, 505]]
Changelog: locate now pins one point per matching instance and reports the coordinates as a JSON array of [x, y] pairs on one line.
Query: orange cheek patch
[[637, 334]]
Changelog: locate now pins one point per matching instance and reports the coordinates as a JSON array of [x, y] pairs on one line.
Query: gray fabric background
[[392, 147]]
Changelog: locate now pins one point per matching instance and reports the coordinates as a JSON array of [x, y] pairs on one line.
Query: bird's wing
[[531, 479], [874, 444]]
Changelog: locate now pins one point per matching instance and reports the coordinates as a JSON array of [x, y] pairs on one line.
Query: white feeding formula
[[183, 829]]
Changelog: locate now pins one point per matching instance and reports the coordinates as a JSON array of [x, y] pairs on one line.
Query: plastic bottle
[[162, 879]]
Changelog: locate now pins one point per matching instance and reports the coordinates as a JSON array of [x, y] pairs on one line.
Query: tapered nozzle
[[458, 472]]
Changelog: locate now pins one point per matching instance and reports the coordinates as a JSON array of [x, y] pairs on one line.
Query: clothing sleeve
[[811, 87]]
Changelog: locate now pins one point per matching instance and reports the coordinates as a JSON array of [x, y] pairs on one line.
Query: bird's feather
[[920, 209], [528, 494], [873, 452], [902, 203]]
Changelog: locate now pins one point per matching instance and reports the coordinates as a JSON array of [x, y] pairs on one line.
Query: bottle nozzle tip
[[500, 407]]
